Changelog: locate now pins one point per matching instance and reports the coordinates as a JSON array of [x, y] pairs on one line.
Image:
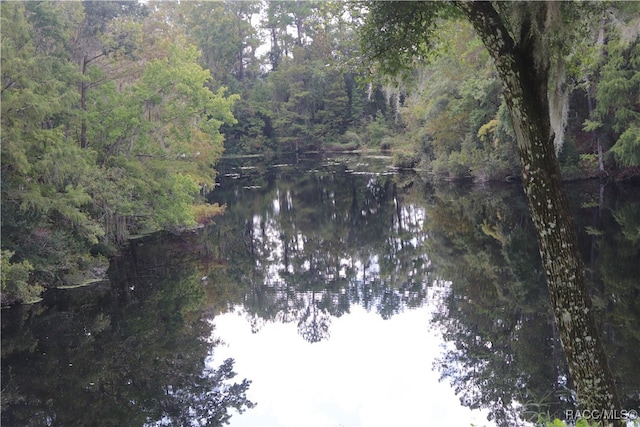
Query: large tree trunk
[[524, 73]]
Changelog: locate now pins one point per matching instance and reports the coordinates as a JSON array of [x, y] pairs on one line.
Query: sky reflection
[[370, 372]]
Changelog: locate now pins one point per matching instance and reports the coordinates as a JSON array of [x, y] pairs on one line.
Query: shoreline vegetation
[[115, 115], [97, 275], [91, 277]]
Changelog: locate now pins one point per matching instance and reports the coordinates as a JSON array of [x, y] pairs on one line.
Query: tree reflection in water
[[507, 356], [303, 248], [129, 354], [316, 244]]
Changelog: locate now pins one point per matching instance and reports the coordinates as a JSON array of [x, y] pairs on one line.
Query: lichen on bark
[[523, 65]]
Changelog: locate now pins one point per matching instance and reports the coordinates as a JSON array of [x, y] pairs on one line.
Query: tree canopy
[[100, 139], [114, 113]]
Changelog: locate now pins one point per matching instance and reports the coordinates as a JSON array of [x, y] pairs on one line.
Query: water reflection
[[324, 242], [506, 357], [372, 372], [127, 354], [345, 285], [320, 243]]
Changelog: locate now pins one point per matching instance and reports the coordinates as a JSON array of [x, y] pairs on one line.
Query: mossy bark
[[524, 73]]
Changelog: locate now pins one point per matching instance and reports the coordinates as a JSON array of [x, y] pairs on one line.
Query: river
[[333, 291]]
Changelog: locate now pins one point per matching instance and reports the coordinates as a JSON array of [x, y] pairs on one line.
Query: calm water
[[333, 292]]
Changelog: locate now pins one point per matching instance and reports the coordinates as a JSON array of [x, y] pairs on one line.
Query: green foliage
[[204, 213], [452, 94], [627, 147], [486, 133], [579, 423], [456, 165], [377, 131], [310, 99], [114, 113], [454, 115], [100, 140], [224, 34], [15, 280], [183, 115], [617, 111], [45, 202], [405, 160], [396, 33]]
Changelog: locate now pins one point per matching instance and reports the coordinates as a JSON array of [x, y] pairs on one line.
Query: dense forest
[[114, 114]]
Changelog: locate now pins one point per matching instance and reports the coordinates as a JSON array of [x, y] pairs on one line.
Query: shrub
[[405, 160], [15, 280], [205, 213]]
